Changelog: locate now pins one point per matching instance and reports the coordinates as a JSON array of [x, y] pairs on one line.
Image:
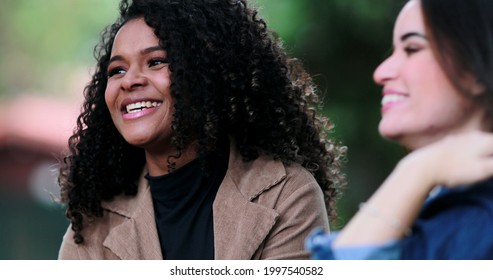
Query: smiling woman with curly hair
[[198, 139]]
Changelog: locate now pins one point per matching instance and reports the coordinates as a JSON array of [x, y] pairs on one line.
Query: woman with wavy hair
[[198, 139], [437, 102]]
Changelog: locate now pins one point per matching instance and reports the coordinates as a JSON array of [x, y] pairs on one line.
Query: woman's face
[[138, 91], [419, 104]]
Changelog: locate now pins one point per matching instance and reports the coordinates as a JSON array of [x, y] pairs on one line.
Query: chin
[[138, 141], [394, 136], [387, 132]]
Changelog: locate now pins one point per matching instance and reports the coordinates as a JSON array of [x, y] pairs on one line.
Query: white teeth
[[392, 98], [139, 106]]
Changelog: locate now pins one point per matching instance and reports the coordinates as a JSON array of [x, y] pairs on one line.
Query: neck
[[473, 119], [162, 163]]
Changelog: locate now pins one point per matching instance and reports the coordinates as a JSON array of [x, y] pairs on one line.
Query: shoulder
[[297, 176], [461, 200], [267, 177], [97, 229], [256, 177], [299, 202], [289, 189], [451, 220], [299, 186], [69, 250], [95, 233], [289, 193]]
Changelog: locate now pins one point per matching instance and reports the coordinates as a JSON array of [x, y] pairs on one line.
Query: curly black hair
[[230, 78]]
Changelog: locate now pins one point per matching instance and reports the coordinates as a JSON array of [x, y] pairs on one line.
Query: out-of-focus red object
[[33, 130]]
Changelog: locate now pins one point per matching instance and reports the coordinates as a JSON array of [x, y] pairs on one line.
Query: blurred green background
[[46, 58]]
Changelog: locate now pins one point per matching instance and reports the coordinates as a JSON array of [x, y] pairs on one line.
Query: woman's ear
[[473, 85], [477, 88]]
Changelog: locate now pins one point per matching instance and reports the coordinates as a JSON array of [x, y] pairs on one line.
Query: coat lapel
[[239, 222], [137, 237]]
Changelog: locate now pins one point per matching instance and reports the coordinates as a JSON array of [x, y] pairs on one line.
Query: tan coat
[[262, 210]]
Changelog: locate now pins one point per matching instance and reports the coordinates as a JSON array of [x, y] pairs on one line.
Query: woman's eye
[[115, 71], [411, 50], [157, 61]]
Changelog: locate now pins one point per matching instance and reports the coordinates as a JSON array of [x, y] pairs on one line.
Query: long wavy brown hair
[[230, 78]]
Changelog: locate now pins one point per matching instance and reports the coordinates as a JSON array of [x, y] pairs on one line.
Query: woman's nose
[[387, 70], [133, 79]]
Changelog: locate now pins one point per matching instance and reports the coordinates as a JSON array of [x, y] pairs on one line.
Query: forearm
[[390, 212]]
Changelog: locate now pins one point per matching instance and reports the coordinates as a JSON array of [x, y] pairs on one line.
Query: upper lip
[[128, 101], [388, 91]]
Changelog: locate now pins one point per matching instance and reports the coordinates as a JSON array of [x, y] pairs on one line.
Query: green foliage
[[287, 18], [43, 39], [58, 30]]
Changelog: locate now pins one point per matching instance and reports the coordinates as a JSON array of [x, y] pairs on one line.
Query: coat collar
[[137, 237], [240, 224]]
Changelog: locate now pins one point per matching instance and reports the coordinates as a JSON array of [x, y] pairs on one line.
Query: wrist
[[418, 168]]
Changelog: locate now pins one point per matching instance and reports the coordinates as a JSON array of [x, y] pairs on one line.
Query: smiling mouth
[[391, 98], [139, 106]]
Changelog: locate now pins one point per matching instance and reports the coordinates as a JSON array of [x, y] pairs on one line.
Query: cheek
[[110, 95], [428, 76], [419, 76], [164, 88], [162, 81], [439, 90]]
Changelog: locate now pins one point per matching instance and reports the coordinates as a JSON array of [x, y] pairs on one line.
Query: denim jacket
[[453, 224]]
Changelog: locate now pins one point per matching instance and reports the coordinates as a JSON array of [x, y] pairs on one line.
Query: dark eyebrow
[[115, 58], [412, 34], [142, 52], [151, 49]]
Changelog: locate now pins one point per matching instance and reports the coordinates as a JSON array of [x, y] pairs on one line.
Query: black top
[[183, 208]]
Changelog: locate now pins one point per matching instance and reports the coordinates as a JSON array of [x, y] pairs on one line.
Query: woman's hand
[[455, 160], [389, 213]]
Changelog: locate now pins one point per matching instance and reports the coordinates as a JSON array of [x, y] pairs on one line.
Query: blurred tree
[[44, 40]]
